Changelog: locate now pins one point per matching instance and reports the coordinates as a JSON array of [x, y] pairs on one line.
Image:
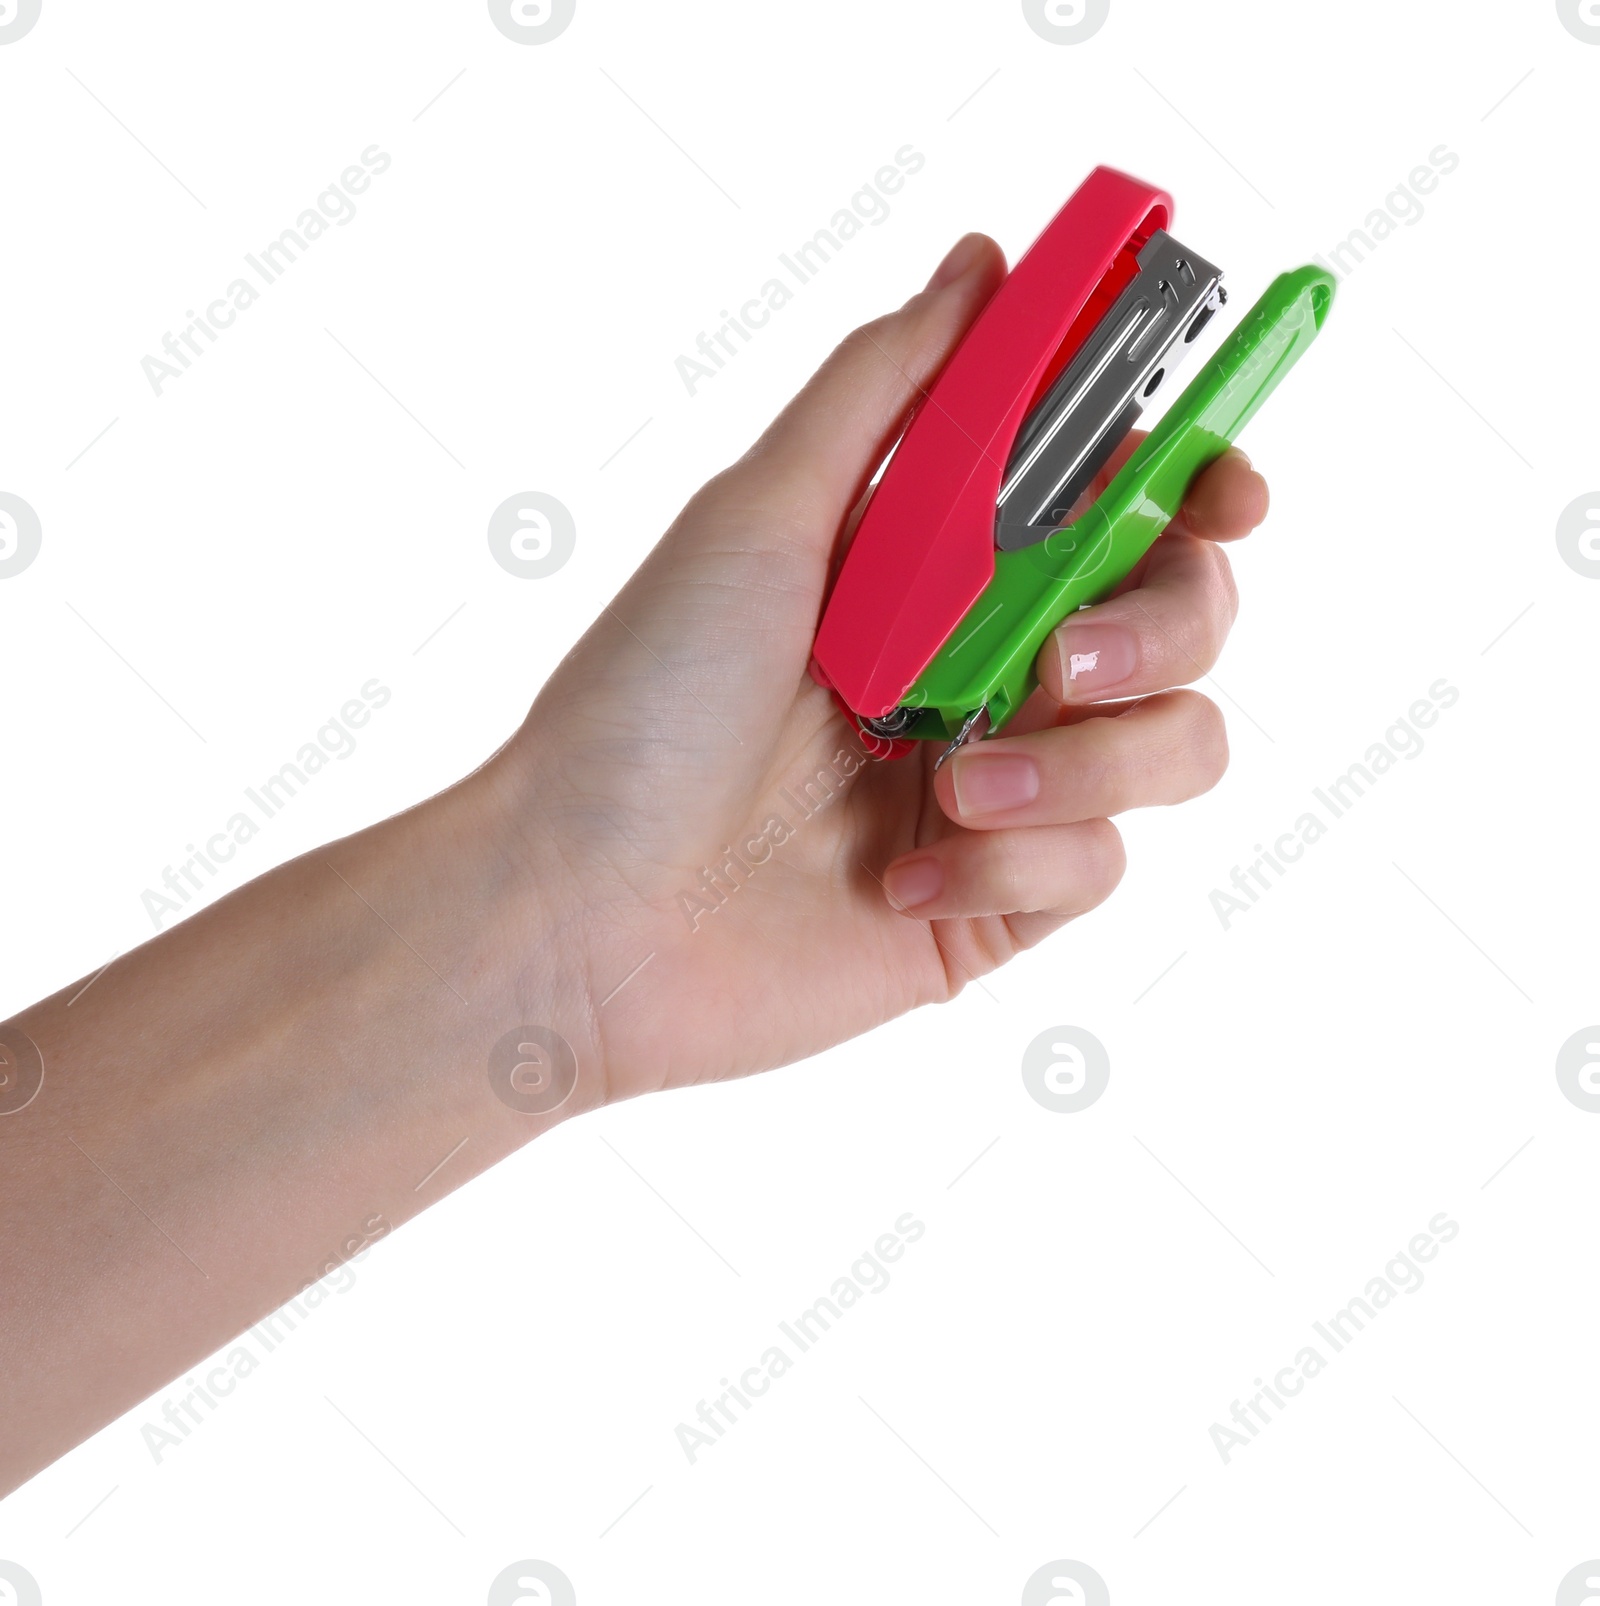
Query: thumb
[[815, 460], [725, 607]]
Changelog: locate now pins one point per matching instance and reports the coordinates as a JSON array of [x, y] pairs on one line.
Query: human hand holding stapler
[[687, 864]]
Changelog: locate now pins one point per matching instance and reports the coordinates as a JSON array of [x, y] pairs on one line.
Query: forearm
[[229, 1109], [683, 840]]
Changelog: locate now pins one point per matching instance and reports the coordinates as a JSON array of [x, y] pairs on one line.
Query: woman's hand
[[745, 887], [683, 865]]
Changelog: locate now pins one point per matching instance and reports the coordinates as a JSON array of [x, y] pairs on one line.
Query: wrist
[[526, 970], [230, 1111]]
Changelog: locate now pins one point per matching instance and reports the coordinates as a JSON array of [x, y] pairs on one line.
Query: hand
[[271, 1077], [693, 804]]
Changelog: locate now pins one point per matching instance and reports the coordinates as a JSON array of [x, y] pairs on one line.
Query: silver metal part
[[895, 723], [1098, 397], [1068, 437], [973, 729]]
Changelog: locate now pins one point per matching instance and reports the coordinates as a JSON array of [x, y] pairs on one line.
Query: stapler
[[979, 537]]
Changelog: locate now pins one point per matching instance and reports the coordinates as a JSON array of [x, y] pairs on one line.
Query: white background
[[1368, 1046]]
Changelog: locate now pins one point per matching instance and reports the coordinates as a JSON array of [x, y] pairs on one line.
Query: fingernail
[[916, 881], [990, 783], [1095, 656], [961, 257]]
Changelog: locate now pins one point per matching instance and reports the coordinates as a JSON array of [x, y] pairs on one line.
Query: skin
[[226, 1109]]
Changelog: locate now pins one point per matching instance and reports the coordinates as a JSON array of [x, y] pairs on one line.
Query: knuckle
[[1218, 603], [1106, 859], [1100, 766], [1226, 590], [1190, 637], [877, 335], [1009, 884], [1174, 645], [1208, 737]]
